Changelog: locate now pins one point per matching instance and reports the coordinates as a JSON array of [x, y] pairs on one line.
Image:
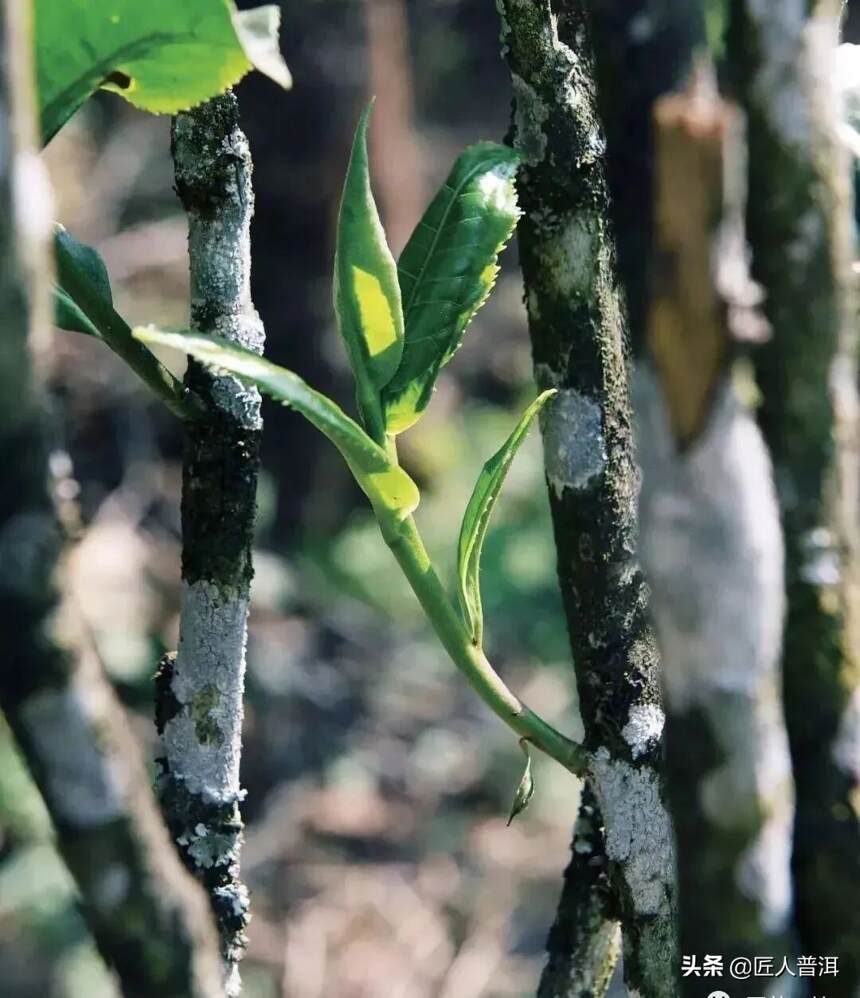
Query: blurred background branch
[[147, 916]]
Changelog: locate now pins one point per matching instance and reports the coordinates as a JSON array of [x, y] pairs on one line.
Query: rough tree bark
[[577, 326], [713, 554], [148, 917], [200, 693], [799, 220]]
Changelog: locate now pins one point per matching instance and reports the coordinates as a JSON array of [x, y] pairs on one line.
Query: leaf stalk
[[408, 548]]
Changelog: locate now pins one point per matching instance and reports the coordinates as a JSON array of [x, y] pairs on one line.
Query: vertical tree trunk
[[712, 550], [200, 694], [148, 917], [577, 326], [799, 219], [585, 940]]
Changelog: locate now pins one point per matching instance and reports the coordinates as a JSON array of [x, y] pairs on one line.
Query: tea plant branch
[[393, 496], [408, 548], [199, 698], [148, 917], [801, 231], [579, 340]]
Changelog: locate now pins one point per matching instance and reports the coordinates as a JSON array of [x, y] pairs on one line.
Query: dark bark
[[642, 49], [799, 221], [585, 940], [200, 693], [148, 917], [577, 327]]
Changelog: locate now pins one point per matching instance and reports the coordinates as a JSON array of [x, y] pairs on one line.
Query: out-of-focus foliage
[[70, 314]]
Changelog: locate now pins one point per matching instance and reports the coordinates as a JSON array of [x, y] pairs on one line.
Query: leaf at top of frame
[[161, 55]]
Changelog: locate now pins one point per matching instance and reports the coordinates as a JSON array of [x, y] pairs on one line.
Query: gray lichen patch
[[638, 832], [202, 741], [530, 116], [644, 727], [714, 507], [85, 786], [762, 872], [574, 445], [570, 256]]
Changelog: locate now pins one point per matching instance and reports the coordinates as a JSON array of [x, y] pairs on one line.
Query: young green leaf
[[161, 55], [448, 269], [83, 303], [68, 314], [476, 519], [526, 788], [366, 290], [390, 490]]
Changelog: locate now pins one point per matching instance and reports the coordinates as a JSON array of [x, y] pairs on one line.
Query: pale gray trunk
[[713, 553], [800, 226], [200, 693]]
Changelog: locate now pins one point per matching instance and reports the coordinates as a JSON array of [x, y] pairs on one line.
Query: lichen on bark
[[800, 228], [148, 917], [577, 327], [200, 706], [712, 549]]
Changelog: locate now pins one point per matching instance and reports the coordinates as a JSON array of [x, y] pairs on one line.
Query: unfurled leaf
[[448, 269], [83, 303], [366, 291], [390, 490], [476, 519], [161, 55], [526, 788], [68, 314]]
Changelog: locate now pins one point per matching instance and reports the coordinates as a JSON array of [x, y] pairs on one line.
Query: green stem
[[409, 550], [116, 333]]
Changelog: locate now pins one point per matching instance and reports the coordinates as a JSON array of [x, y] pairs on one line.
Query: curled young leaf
[[366, 291], [448, 269], [476, 519], [68, 312], [526, 787], [391, 491], [161, 55]]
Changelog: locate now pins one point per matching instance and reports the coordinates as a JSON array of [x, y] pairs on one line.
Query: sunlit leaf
[[161, 55], [366, 291], [448, 269], [476, 520], [526, 787], [390, 490], [68, 313]]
